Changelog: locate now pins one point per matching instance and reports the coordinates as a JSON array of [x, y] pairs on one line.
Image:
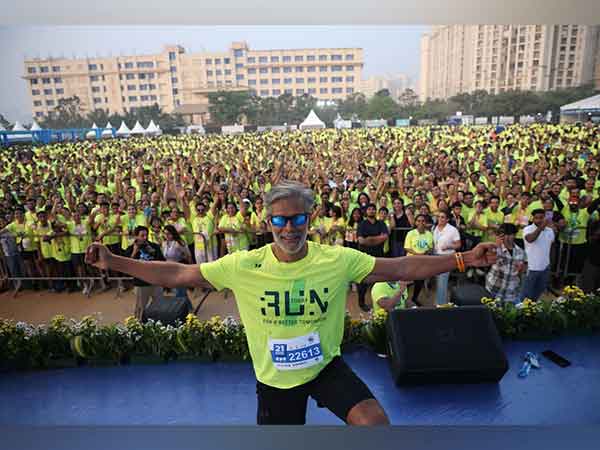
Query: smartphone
[[556, 358], [549, 215]]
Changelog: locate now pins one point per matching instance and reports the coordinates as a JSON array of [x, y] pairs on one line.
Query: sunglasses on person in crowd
[[297, 220]]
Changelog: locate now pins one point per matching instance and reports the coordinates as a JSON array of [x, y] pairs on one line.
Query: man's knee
[[367, 412]]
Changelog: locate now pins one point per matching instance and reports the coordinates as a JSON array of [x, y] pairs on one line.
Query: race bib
[[296, 353]]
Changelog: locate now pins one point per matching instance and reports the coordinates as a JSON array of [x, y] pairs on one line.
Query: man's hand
[[98, 255], [483, 255]]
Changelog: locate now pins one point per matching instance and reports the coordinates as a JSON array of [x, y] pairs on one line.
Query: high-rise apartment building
[[176, 79], [394, 83], [497, 58]]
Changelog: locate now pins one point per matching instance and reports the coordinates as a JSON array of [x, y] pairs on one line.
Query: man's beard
[[284, 245]]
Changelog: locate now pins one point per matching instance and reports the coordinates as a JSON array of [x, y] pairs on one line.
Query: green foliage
[[5, 123]]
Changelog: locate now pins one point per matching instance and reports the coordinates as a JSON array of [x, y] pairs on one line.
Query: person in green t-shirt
[[291, 296], [418, 242], [389, 295]]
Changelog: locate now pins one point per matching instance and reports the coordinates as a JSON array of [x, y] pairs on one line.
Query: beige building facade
[[177, 80], [497, 58]]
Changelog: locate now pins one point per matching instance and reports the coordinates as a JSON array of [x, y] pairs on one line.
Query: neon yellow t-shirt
[[419, 243], [279, 301], [482, 221], [108, 224], [80, 236], [205, 225], [387, 289], [493, 218]]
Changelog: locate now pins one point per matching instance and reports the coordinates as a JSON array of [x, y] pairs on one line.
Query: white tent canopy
[[19, 127], [311, 122], [138, 128], [153, 129], [108, 130], [123, 130], [35, 126], [92, 134], [590, 104]]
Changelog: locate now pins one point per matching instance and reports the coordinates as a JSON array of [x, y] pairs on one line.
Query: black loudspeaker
[[469, 294], [445, 345], [168, 310]]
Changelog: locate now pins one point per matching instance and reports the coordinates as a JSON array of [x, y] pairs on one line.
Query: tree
[[382, 107], [227, 108], [354, 104], [5, 123], [382, 93], [408, 98], [67, 114]]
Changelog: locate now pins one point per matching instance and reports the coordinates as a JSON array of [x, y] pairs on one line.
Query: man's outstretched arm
[[409, 268], [158, 273]]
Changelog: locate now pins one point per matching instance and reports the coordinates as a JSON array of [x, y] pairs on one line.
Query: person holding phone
[[538, 239]]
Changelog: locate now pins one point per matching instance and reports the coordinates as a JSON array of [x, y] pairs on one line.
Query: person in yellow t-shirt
[[418, 242], [389, 295], [336, 227], [80, 234], [291, 296], [233, 228], [495, 218]]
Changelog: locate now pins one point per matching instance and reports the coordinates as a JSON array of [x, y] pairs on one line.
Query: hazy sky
[[386, 49]]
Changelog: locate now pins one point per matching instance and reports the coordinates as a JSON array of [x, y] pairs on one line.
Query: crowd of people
[[387, 192]]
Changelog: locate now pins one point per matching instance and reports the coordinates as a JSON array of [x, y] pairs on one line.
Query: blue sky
[[389, 49]]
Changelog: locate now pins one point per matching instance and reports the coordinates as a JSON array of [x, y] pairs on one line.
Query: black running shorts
[[336, 387]]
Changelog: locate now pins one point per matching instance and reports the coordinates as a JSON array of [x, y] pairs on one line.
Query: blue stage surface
[[224, 393]]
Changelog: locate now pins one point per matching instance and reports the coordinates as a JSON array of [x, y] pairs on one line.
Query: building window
[[226, 61], [44, 69], [37, 103], [311, 69], [349, 57], [323, 80], [323, 91], [45, 80], [94, 78], [142, 76], [337, 79], [239, 66], [336, 68], [264, 92], [264, 81], [322, 57], [172, 56], [175, 91], [35, 92], [34, 81], [274, 59], [287, 70], [251, 60], [299, 69], [350, 79], [263, 70], [31, 70], [312, 80], [349, 90], [132, 98], [239, 77], [145, 98], [275, 70], [276, 91], [95, 88], [275, 81], [153, 97], [60, 91], [227, 71], [129, 76], [92, 67], [39, 114], [299, 91], [47, 91], [97, 100], [208, 61], [55, 68], [150, 76], [310, 58], [251, 71], [131, 87], [336, 57], [145, 64], [263, 59], [144, 87], [288, 91], [312, 91], [58, 80], [287, 59], [238, 53], [322, 68], [173, 69], [49, 102], [350, 68], [217, 60], [287, 81], [336, 90], [209, 73], [298, 58], [251, 82], [300, 80], [152, 87]]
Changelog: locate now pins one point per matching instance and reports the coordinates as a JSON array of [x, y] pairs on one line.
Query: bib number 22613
[[296, 353]]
